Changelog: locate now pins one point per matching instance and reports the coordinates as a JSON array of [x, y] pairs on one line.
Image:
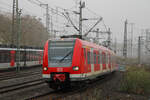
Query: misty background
[[114, 13]]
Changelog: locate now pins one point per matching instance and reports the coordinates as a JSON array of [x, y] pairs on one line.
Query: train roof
[[15, 49], [86, 43], [94, 45]]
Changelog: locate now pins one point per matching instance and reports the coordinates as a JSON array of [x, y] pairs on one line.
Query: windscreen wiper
[[65, 56]]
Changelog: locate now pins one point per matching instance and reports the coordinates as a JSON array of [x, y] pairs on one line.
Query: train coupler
[[60, 77]]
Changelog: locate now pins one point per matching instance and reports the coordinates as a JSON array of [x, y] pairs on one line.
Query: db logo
[[59, 69]]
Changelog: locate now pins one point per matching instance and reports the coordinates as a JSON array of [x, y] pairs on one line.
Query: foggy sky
[[114, 12]]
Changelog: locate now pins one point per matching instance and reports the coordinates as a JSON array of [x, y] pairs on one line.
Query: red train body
[[28, 57], [73, 60]]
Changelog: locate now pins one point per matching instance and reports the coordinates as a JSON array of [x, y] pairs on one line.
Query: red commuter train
[[28, 57], [72, 60]]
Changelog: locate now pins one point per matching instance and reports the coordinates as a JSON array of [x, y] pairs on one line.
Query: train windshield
[[60, 53]]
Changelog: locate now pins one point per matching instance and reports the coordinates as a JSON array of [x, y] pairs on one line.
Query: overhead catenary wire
[[51, 9], [70, 19]]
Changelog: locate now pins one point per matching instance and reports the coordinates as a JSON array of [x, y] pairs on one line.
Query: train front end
[[60, 63]]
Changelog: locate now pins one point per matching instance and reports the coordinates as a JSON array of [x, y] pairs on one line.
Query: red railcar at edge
[[72, 60]]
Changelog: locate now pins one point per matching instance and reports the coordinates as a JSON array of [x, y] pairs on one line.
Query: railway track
[[11, 75], [79, 90], [59, 94], [18, 75], [14, 87]]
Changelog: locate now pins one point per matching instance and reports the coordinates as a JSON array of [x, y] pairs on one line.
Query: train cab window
[[60, 51], [88, 57]]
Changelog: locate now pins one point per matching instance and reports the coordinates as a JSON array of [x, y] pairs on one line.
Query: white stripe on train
[[84, 74]]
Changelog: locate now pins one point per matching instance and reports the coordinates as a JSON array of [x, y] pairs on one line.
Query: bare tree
[[33, 32]]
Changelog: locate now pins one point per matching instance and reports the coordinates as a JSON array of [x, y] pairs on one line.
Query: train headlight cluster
[[75, 68], [45, 68]]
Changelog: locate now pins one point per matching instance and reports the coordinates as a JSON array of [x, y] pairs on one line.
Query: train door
[[85, 60], [12, 57], [88, 61], [104, 61], [96, 62]]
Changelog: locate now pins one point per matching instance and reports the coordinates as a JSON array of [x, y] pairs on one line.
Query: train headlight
[[75, 68], [45, 68]]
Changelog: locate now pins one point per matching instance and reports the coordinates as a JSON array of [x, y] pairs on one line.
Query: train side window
[[84, 50], [94, 57], [20, 55], [24, 56], [6, 56], [32, 56], [104, 58], [35, 56], [98, 57], [9, 56], [114, 59], [28, 56], [108, 59], [88, 57], [0, 56]]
